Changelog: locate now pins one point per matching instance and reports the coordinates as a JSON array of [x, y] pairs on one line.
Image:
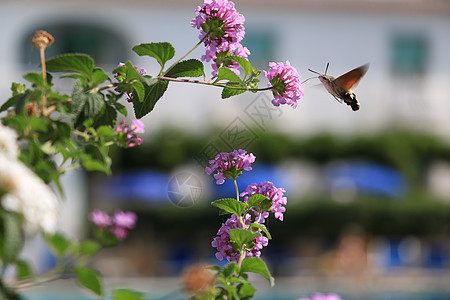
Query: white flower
[[26, 194], [8, 142]]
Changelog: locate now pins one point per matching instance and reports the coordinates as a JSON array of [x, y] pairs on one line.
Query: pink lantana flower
[[119, 224], [285, 80], [276, 195], [222, 241], [127, 134], [230, 165], [222, 29]]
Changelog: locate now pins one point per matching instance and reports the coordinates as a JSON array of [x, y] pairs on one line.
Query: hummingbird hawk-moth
[[341, 88]]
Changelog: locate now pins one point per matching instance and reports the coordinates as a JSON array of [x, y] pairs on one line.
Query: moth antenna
[[326, 69], [308, 79], [314, 72]]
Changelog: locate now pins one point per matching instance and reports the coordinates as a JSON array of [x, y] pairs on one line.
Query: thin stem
[[98, 89], [237, 189], [189, 52], [29, 284], [82, 134], [212, 84], [44, 76], [242, 257]]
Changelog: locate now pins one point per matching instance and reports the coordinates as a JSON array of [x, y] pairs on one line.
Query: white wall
[[309, 39]]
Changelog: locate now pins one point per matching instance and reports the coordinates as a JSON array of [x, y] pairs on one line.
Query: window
[[261, 46], [104, 45], [409, 55]]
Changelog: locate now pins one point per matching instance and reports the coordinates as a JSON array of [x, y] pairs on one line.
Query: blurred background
[[368, 192]]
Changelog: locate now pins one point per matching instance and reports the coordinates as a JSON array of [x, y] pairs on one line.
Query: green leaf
[[258, 266], [139, 90], [96, 159], [39, 124], [18, 101], [245, 64], [23, 270], [98, 76], [108, 117], [89, 279], [17, 88], [121, 108], [242, 236], [95, 103], [88, 247], [229, 205], [225, 73], [88, 104], [126, 294], [131, 73], [265, 205], [256, 226], [35, 78], [255, 200], [78, 63], [228, 92], [162, 52], [58, 244], [105, 131], [186, 68], [10, 102], [152, 94], [246, 291], [229, 269], [13, 237]]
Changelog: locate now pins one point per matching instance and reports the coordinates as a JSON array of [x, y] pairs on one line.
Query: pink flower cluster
[[137, 126], [225, 30], [285, 80], [319, 296], [118, 224], [276, 195], [120, 77], [230, 165], [222, 241]]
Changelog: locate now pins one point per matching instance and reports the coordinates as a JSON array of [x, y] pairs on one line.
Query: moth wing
[[351, 78]]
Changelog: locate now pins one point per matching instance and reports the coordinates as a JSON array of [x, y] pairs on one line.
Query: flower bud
[[42, 39]]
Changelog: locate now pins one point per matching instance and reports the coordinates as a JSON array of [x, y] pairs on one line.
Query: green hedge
[[408, 152]]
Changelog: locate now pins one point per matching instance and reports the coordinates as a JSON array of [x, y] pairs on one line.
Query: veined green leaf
[[225, 73], [23, 270], [89, 279], [227, 92], [186, 68], [242, 236], [98, 76], [35, 78], [244, 63], [139, 89], [256, 226], [229, 205], [78, 63], [58, 244], [126, 294], [255, 200], [246, 291], [162, 52], [258, 266], [90, 104], [152, 94], [229, 269], [131, 73]]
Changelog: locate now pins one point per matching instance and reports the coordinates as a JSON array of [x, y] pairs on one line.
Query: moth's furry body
[[340, 88], [339, 92]]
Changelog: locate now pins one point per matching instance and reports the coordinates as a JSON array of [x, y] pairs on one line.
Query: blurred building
[[406, 43]]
